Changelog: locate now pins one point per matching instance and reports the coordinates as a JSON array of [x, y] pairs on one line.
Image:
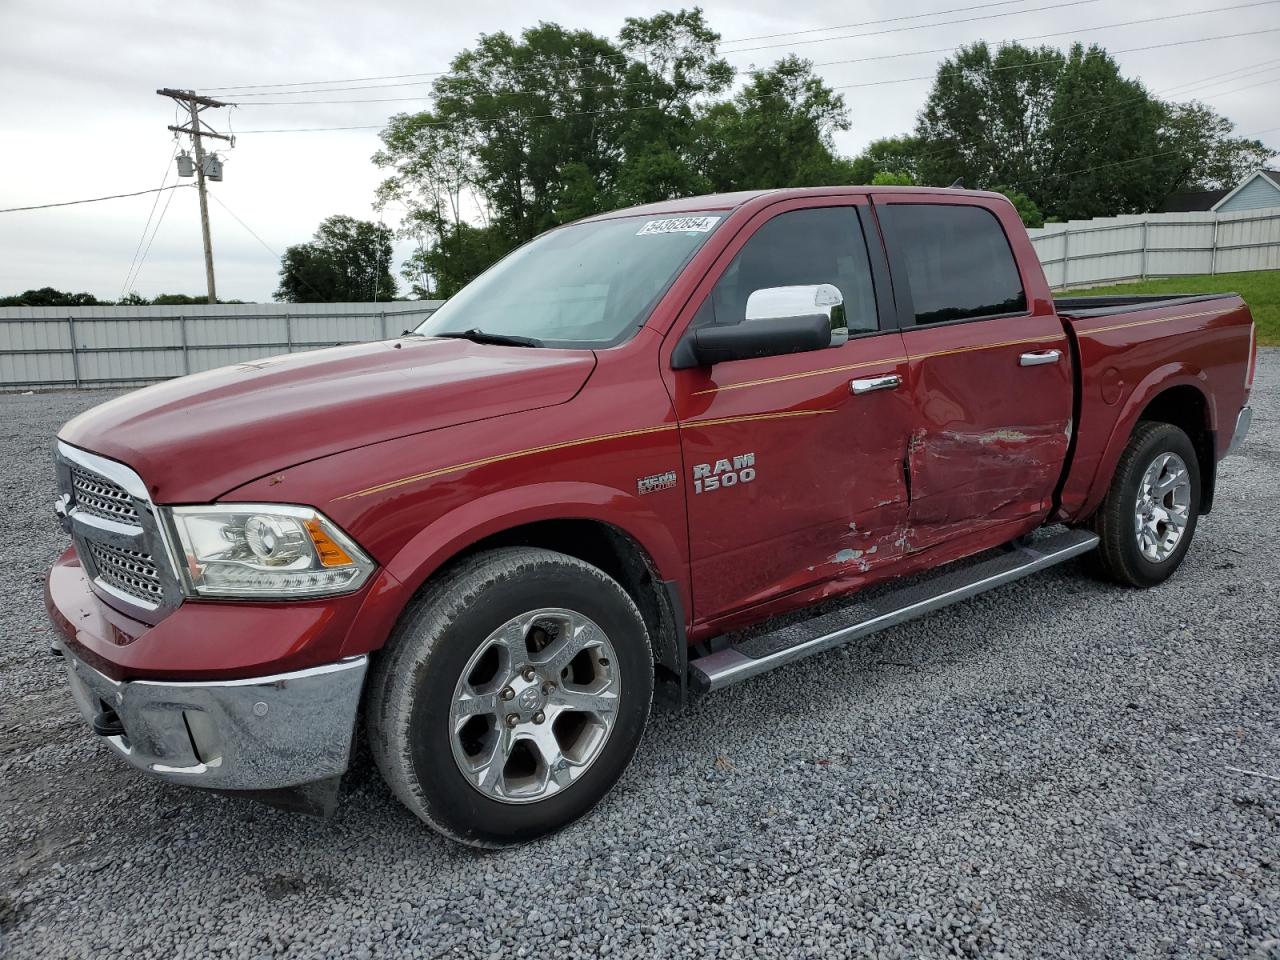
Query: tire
[[1125, 555], [458, 651]]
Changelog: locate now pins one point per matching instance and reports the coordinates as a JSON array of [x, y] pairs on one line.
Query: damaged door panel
[[824, 429], [990, 373]]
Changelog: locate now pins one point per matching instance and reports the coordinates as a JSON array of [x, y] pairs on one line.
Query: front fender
[[439, 541]]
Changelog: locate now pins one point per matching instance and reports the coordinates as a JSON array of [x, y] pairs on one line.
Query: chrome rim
[[534, 705], [1163, 507]]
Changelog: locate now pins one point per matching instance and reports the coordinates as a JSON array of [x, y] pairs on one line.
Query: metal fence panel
[[42, 347], [1093, 252]]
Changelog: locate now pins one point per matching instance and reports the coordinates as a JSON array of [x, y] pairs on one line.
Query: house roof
[[1271, 176], [1194, 201]]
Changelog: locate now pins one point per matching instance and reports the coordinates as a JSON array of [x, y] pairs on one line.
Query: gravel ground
[[1038, 772]]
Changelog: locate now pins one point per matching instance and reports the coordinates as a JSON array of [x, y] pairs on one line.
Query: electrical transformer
[[186, 166]]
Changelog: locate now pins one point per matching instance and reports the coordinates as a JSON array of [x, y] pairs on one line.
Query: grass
[[1260, 289]]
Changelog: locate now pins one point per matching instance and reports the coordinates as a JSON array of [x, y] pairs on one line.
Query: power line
[[146, 226], [1154, 46], [1033, 63], [159, 220], [589, 59], [509, 118], [245, 225], [1121, 163], [114, 196], [264, 243], [871, 33], [1056, 33], [768, 46], [1041, 36], [1212, 80]]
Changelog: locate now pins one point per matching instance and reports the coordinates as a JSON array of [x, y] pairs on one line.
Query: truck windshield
[[587, 284]]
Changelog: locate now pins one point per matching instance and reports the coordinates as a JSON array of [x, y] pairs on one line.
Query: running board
[[795, 641]]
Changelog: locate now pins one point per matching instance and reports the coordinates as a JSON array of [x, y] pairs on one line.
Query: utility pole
[[194, 104]]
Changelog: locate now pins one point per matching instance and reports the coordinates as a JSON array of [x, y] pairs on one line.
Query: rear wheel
[[511, 696], [1149, 515]]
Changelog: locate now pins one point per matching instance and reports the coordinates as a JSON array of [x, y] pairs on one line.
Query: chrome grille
[[129, 571], [117, 533], [100, 497]]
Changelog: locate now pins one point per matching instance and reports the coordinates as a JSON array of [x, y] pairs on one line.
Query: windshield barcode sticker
[[678, 225]]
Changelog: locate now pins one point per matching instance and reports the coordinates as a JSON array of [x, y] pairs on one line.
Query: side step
[[795, 641]]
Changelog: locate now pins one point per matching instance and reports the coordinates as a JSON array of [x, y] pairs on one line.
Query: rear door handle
[[1036, 357], [888, 382]]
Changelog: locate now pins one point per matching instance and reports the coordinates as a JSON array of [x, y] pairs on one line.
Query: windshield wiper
[[500, 339]]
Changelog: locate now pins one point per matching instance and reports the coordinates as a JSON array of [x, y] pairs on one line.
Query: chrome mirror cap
[[802, 300]]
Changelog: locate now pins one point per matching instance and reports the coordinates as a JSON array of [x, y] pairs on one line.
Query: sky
[[79, 116]]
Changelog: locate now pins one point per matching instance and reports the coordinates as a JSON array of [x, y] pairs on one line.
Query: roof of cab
[[732, 201]]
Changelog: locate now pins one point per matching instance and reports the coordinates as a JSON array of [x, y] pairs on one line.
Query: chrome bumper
[[1242, 430], [265, 733]]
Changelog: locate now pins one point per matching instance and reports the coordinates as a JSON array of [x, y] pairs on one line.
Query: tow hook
[[107, 723]]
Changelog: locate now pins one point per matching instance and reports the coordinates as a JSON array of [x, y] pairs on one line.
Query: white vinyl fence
[[47, 347], [1085, 253]]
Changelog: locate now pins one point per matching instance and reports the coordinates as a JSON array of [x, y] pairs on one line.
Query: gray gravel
[[1038, 772]]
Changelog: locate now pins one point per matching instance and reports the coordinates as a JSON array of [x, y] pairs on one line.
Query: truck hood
[[195, 438]]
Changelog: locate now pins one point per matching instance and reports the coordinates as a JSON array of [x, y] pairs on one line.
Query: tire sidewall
[[447, 799], [1168, 440]]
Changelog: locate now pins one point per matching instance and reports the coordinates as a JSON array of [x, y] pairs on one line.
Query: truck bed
[[1078, 307]]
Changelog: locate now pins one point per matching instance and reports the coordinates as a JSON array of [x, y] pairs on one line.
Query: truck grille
[[117, 534], [129, 571], [100, 497]]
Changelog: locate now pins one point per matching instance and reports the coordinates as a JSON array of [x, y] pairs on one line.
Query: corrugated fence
[[43, 347], [1089, 252]]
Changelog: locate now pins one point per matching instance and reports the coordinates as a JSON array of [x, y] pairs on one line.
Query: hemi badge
[[659, 481]]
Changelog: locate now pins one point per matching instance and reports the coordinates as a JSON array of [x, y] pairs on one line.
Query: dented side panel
[[991, 435]]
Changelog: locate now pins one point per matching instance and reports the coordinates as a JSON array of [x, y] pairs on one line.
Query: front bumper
[[1243, 421], [264, 733]]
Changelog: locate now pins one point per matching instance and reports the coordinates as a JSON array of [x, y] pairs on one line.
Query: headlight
[[265, 550]]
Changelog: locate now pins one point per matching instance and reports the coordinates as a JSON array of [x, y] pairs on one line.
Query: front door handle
[[1036, 357], [889, 382]]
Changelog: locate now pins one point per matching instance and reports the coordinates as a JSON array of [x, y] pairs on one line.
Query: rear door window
[[957, 259]]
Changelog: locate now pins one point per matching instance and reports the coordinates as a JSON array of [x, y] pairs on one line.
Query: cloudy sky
[[79, 116]]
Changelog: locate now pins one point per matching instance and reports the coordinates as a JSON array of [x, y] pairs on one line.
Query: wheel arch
[[592, 523], [1174, 393]]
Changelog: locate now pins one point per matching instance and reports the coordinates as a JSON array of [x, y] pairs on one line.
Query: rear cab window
[[957, 261]]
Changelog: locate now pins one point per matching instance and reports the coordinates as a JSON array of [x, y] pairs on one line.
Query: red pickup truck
[[600, 470]]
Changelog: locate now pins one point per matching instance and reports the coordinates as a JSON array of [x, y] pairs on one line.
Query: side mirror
[[779, 320], [779, 303]]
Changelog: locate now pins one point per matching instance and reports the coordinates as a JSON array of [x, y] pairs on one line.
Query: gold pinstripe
[[944, 353], [1143, 323], [986, 346], [798, 376], [873, 363], [546, 448]]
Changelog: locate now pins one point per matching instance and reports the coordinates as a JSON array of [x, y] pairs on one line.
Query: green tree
[[886, 179], [776, 132], [985, 120], [558, 124], [1026, 207], [1068, 130], [898, 156], [49, 297], [348, 261], [529, 133]]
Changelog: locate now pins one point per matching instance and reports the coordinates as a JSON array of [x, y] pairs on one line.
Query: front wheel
[[511, 696], [1149, 515]]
